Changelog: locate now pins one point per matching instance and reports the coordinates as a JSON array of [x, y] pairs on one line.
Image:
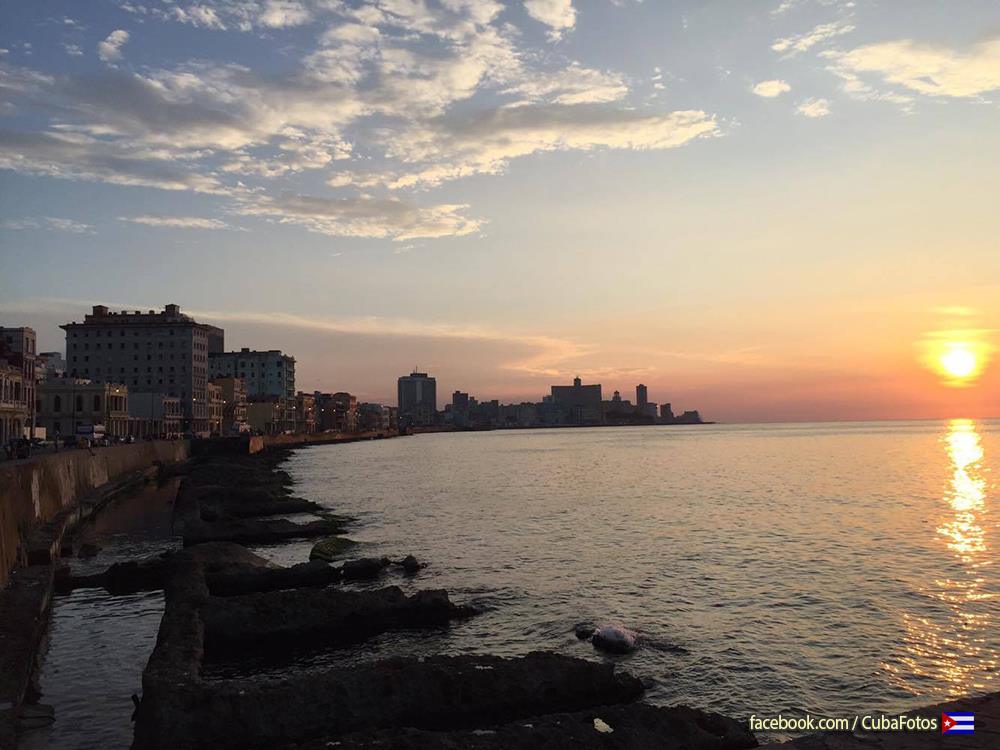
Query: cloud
[[48, 222], [804, 42], [925, 68], [549, 352], [364, 216], [80, 157], [558, 15], [771, 89], [176, 222], [813, 108], [73, 50], [574, 84], [111, 48], [201, 16], [451, 148]]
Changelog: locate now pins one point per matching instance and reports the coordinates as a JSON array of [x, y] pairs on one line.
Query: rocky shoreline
[[224, 601]]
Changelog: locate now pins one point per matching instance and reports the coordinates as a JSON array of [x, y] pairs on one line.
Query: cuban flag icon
[[957, 723]]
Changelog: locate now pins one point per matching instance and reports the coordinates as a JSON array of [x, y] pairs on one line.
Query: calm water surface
[[829, 568]]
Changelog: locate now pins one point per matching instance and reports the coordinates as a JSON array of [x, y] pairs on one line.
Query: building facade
[[158, 352], [22, 342], [215, 409], [305, 412], [417, 400], [68, 404], [154, 416], [13, 408], [265, 374], [234, 405]]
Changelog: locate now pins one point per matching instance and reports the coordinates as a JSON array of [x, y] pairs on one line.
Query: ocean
[[829, 569]]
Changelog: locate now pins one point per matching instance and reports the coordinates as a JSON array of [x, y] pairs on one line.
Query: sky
[[766, 210]]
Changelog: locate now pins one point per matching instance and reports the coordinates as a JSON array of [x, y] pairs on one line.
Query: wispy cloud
[[803, 42], [813, 108], [48, 222], [558, 15], [177, 222]]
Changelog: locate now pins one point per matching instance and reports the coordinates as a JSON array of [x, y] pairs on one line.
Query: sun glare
[[959, 361]]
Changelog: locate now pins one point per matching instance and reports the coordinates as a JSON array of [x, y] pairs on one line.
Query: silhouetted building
[[582, 403], [641, 396], [666, 413], [417, 400], [305, 412]]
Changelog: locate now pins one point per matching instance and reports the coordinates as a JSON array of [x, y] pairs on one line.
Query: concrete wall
[[34, 491]]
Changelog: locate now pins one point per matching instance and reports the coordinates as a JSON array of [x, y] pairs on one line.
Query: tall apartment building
[[581, 403], [159, 352], [22, 342], [268, 375], [417, 400]]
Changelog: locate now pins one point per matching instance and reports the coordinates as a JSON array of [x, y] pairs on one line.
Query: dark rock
[[331, 548], [256, 531], [583, 630], [439, 693], [325, 616], [636, 726], [34, 716], [615, 639], [88, 550], [121, 578], [410, 565], [365, 569], [250, 580]]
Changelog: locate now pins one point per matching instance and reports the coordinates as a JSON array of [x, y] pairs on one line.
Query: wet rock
[[88, 549], [615, 639], [634, 726], [583, 630], [410, 565], [256, 531], [248, 502], [34, 716], [121, 578], [326, 616], [439, 693], [250, 580], [364, 569], [331, 548]]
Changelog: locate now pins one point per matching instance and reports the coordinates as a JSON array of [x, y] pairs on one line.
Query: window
[[79, 403], [57, 404], [97, 403]]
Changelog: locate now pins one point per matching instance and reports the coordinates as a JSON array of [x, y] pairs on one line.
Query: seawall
[[34, 491]]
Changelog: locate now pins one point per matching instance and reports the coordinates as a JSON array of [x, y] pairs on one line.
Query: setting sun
[[959, 361]]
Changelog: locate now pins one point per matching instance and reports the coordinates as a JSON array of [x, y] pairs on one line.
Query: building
[[666, 413], [154, 416], [52, 364], [265, 374], [305, 412], [13, 407], [641, 397], [581, 403], [266, 415], [375, 418], [155, 352], [342, 412], [234, 406], [22, 342], [417, 400], [216, 409], [68, 404]]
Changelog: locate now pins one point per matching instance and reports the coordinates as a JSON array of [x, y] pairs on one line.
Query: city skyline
[[770, 213]]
